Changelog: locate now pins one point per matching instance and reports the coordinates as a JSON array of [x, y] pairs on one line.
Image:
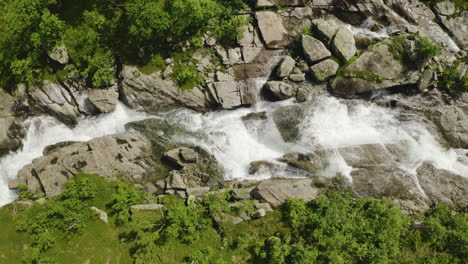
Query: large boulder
[[11, 128], [271, 26], [285, 67], [288, 119], [377, 68], [280, 90], [125, 154], [343, 44], [151, 93], [56, 99], [104, 100], [314, 49], [276, 191], [455, 21], [325, 29], [324, 69]]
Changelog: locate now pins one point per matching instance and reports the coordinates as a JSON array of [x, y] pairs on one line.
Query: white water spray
[[44, 131]]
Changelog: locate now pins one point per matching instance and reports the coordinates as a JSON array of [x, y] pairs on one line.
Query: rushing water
[[328, 124], [46, 130]]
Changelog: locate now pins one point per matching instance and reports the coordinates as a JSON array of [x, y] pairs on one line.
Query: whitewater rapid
[[45, 130], [328, 124]]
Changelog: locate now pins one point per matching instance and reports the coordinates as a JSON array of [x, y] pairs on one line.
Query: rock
[[179, 157], [344, 45], [270, 3], [280, 90], [453, 122], [181, 194], [285, 67], [264, 206], [244, 216], [314, 49], [175, 181], [375, 69], [128, 154], [59, 54], [222, 77], [223, 218], [54, 98], [150, 93], [445, 8], [325, 69], [142, 207], [101, 213], [441, 186], [287, 119], [275, 192], [312, 162], [11, 128], [222, 54], [104, 100], [242, 193], [210, 40], [297, 77], [152, 189], [250, 53], [272, 29], [228, 94], [198, 191], [259, 213], [234, 56], [325, 28]]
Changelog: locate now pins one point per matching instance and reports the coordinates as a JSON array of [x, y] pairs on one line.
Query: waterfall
[[45, 130]]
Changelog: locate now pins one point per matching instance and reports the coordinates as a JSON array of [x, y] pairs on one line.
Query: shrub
[[124, 196], [453, 80], [186, 223]]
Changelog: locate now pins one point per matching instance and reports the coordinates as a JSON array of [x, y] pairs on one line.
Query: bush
[[452, 78], [186, 223], [124, 196]]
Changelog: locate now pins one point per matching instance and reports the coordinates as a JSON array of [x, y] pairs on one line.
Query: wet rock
[[250, 53], [297, 77], [54, 98], [343, 44], [102, 215], [59, 54], [11, 128], [375, 69], [280, 90], [325, 28], [285, 67], [128, 154], [287, 119], [271, 26], [311, 162], [150, 93], [314, 49], [179, 157], [104, 100], [143, 207], [275, 192], [325, 69]]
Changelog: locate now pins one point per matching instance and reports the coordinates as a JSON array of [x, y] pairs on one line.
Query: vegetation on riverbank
[[334, 228], [100, 34]]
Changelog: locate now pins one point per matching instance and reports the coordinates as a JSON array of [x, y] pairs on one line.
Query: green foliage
[[366, 75], [204, 256], [185, 72], [217, 203], [402, 50], [186, 223], [123, 197], [453, 79], [24, 193], [427, 49], [306, 30], [99, 34]]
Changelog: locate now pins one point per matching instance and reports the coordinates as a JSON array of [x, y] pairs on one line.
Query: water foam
[[46, 130]]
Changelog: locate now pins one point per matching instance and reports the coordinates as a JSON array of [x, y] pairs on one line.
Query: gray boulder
[[59, 54], [325, 28], [275, 192], [152, 94], [288, 119], [104, 100], [271, 26], [145, 207], [285, 67], [344, 45], [280, 90], [314, 49], [11, 128], [127, 154], [324, 69], [102, 215]]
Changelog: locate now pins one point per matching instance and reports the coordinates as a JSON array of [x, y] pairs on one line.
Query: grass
[[11, 242]]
